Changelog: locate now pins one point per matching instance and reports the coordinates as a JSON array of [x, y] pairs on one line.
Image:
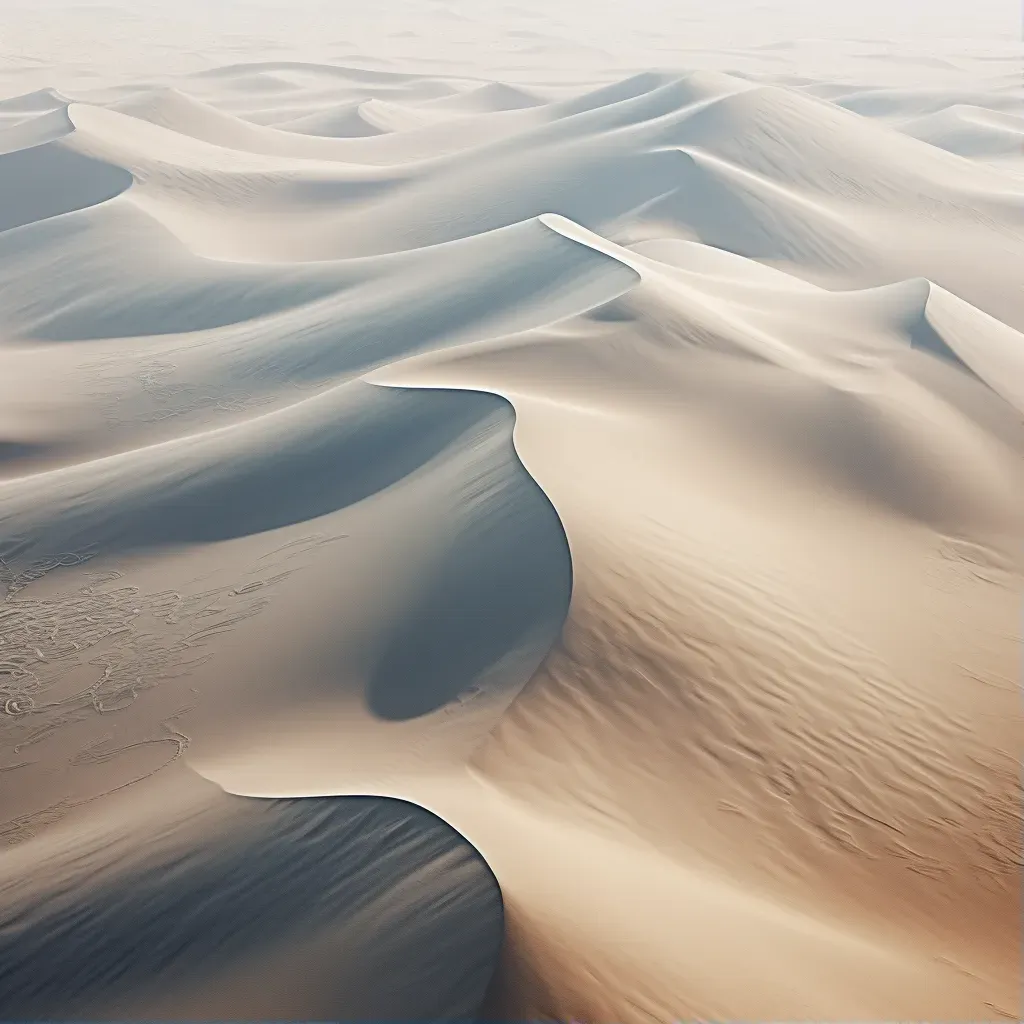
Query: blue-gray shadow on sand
[[216, 907]]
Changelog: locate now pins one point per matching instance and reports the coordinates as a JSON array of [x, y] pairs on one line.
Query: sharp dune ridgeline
[[489, 530]]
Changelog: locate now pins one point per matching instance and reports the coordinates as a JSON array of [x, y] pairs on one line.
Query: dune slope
[[211, 904]]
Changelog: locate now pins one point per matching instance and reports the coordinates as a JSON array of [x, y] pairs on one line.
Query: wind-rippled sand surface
[[458, 483]]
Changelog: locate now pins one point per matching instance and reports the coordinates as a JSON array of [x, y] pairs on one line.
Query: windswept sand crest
[[971, 132], [703, 638], [680, 579], [202, 904]]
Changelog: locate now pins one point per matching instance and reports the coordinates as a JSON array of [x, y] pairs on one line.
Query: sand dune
[[39, 101], [346, 121], [32, 130], [213, 904], [908, 103], [485, 99], [50, 178], [520, 547], [182, 113], [971, 131]]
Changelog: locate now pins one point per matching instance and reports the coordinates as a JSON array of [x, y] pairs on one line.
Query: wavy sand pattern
[[488, 528]]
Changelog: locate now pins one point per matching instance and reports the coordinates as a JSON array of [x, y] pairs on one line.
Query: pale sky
[[511, 39]]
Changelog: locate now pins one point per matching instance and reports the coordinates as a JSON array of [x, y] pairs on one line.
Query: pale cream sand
[[438, 422]]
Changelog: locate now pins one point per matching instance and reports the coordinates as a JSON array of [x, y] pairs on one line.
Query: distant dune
[[539, 547], [971, 131]]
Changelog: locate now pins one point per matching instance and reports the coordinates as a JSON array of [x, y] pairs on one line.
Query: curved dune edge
[[540, 926], [385, 982], [207, 905], [901, 981], [471, 479]]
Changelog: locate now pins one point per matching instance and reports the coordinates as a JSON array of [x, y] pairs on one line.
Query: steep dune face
[[624, 474], [820, 190], [211, 904], [40, 176], [731, 689], [970, 131]]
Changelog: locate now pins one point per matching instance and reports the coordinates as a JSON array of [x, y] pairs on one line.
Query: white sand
[[622, 464]]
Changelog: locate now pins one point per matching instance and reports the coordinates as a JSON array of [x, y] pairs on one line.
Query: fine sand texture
[[511, 514], [182, 902]]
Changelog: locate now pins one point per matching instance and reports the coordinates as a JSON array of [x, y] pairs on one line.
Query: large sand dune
[[452, 497], [183, 902]]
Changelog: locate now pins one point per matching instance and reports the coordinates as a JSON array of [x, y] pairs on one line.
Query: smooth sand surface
[[179, 901], [513, 474]]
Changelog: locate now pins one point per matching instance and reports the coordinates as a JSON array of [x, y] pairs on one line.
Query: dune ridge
[[435, 508], [361, 896]]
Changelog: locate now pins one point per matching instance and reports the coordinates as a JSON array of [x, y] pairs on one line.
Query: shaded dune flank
[[213, 905], [412, 486], [39, 176]]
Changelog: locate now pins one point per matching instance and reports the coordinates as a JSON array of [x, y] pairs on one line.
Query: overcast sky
[[502, 37]]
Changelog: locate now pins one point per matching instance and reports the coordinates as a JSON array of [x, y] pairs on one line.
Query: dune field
[[511, 512]]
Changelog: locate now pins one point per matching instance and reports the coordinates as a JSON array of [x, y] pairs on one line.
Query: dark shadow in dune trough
[[500, 590], [316, 908]]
